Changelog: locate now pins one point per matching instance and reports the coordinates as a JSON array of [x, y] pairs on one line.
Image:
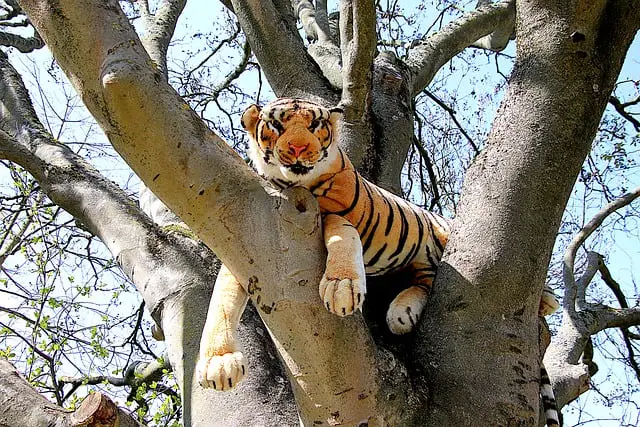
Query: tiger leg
[[342, 287], [548, 302], [406, 308], [221, 365]]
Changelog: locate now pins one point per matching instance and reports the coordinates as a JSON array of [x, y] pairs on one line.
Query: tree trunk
[[480, 331]]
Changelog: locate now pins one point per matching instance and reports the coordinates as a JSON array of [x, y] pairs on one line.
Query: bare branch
[[358, 46], [306, 12], [452, 114], [431, 54], [620, 108], [500, 37], [594, 261], [23, 44], [159, 30], [616, 318], [571, 288], [270, 33]]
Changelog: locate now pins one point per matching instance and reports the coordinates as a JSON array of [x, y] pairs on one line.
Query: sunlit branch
[[358, 44], [306, 12], [499, 38], [431, 54], [594, 261], [159, 30], [570, 284]]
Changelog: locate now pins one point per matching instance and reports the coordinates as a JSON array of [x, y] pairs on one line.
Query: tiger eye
[[314, 125]]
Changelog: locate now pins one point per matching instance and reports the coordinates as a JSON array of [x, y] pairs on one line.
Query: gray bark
[[22, 405], [514, 194]]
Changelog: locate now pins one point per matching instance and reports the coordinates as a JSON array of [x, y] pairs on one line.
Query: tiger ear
[[250, 118], [335, 114]]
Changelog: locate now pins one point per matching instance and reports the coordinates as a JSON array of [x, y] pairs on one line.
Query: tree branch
[[452, 114], [16, 394], [269, 33], [431, 54], [358, 46], [23, 44], [620, 108], [306, 12], [570, 378], [159, 30], [571, 288], [173, 274]]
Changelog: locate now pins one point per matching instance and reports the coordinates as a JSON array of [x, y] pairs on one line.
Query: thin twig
[[620, 108], [452, 114]]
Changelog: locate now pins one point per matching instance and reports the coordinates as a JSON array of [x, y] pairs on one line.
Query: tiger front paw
[[342, 296], [222, 372]]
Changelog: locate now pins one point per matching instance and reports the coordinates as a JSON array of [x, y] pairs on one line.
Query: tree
[[491, 276]]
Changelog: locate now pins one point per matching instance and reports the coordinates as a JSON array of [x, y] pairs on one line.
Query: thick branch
[[431, 54], [170, 272], [315, 29], [358, 46], [269, 33], [23, 406], [538, 142], [23, 44], [159, 29]]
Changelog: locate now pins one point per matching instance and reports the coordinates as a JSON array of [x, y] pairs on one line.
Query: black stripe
[[367, 243], [420, 231], [390, 217], [356, 197], [370, 210], [404, 230], [433, 261], [376, 257]]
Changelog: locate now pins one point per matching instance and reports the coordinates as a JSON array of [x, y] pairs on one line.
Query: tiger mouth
[[299, 169]]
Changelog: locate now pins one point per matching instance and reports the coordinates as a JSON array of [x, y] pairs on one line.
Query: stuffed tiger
[[367, 231]]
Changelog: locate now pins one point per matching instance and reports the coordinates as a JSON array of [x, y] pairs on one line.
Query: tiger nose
[[297, 149]]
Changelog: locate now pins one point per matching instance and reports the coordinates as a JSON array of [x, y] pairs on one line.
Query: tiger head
[[291, 139]]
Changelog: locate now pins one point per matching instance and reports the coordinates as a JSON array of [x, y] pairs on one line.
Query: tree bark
[[480, 329], [22, 405]]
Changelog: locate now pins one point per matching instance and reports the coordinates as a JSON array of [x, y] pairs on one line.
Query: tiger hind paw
[[222, 372], [405, 310], [342, 296]]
